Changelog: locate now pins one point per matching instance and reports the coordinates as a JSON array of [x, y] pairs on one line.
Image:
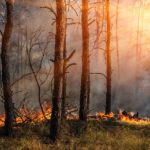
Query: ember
[[101, 115]]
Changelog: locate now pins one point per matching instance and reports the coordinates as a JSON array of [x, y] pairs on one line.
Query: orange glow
[[29, 116], [101, 115], [131, 120], [122, 118]]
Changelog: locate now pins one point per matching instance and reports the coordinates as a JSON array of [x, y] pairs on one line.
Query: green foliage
[[77, 135]]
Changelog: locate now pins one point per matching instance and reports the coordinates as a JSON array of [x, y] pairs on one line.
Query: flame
[[28, 116], [102, 115], [2, 119], [123, 118], [133, 120]]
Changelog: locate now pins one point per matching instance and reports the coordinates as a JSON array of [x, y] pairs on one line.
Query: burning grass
[[124, 117], [26, 116]]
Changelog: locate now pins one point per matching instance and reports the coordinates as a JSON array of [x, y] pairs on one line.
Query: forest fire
[[102, 115], [132, 118], [28, 116], [124, 117], [64, 62], [25, 115]]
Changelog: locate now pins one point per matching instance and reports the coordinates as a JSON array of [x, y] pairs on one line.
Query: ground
[[96, 135]]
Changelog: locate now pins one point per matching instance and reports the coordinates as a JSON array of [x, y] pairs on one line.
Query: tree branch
[[71, 55], [1, 33], [69, 65], [50, 9], [100, 74]]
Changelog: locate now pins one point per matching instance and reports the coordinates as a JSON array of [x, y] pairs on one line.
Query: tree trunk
[[58, 69], [117, 43], [108, 61], [138, 47], [64, 82], [7, 93], [85, 77]]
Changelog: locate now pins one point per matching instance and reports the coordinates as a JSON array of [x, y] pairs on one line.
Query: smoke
[[124, 93]]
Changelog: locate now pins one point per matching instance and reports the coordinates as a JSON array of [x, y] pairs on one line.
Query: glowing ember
[[2, 119], [101, 115]]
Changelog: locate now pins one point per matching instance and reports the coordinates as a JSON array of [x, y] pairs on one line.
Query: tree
[[85, 76], [117, 43], [108, 61], [64, 81], [7, 93], [58, 69], [140, 16], [66, 64], [34, 42]]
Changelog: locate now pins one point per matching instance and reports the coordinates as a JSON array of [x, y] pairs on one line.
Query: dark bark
[[64, 82], [6, 70], [58, 69], [85, 77], [108, 61]]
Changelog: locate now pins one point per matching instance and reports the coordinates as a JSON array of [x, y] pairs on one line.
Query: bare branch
[[49, 7], [74, 23], [52, 60], [71, 55], [91, 22], [100, 74], [22, 77], [69, 65], [1, 33]]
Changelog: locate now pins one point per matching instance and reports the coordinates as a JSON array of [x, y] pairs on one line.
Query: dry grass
[[78, 136]]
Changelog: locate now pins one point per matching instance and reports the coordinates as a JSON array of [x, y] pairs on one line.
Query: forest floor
[[96, 135]]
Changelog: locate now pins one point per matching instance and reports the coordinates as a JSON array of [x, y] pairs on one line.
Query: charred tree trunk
[[85, 77], [58, 69], [6, 71], [64, 82], [108, 61]]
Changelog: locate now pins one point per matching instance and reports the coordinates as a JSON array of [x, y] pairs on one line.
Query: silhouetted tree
[[33, 42], [64, 81], [85, 77], [58, 69], [7, 93], [117, 44], [108, 61]]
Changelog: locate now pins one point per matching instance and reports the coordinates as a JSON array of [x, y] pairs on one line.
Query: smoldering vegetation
[[34, 26]]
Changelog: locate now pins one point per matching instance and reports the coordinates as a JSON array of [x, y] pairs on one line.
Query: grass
[[75, 135]]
